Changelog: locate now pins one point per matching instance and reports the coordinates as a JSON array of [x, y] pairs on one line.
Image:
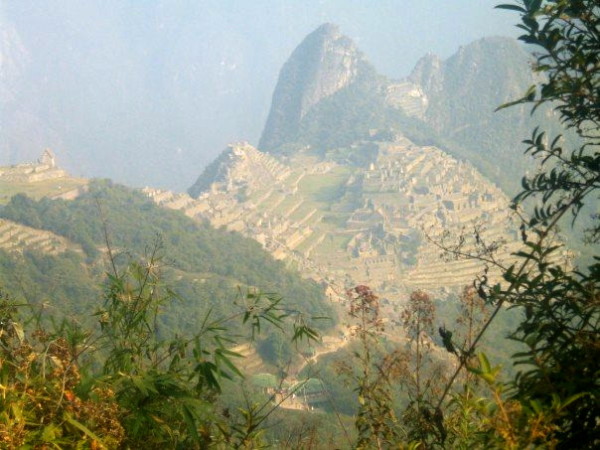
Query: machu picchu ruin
[[381, 225]]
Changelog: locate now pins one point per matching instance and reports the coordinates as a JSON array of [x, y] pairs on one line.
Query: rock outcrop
[[240, 167], [328, 96], [325, 62], [428, 74], [464, 92], [473, 82]]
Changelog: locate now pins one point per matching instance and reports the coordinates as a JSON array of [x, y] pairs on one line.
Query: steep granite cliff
[[325, 62]]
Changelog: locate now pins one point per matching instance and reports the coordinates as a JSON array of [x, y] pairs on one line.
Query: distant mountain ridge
[[448, 103]]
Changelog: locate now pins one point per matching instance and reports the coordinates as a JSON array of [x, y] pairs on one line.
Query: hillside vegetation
[[209, 264]]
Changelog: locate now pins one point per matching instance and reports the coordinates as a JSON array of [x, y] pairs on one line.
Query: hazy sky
[[106, 82], [393, 33]]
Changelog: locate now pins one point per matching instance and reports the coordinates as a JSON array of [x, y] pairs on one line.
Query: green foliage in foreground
[[553, 399], [128, 383]]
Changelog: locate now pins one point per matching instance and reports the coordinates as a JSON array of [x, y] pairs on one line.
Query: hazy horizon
[[109, 85]]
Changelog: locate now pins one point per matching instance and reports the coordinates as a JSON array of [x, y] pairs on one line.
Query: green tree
[[554, 400], [130, 382], [561, 306]]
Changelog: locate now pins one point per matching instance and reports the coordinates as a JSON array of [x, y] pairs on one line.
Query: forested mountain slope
[[207, 266]]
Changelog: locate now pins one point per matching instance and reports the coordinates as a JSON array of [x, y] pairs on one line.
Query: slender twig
[[514, 284], [106, 236]]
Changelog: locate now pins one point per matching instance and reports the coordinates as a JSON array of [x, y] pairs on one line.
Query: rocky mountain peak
[[494, 64], [428, 73], [325, 62]]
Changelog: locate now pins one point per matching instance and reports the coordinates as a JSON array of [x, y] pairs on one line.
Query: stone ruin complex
[[396, 214]]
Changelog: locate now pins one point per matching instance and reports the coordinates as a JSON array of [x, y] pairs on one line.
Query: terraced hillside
[[53, 247], [381, 225], [39, 179], [15, 237]]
